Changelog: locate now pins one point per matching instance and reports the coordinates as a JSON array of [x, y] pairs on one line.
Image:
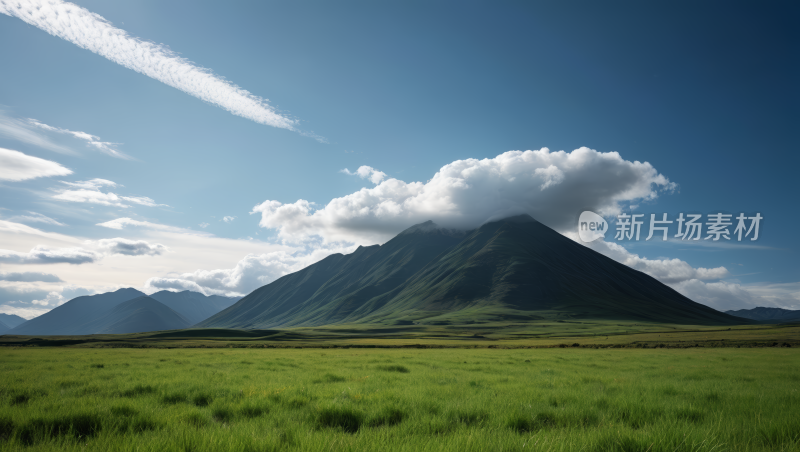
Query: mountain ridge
[[119, 312], [767, 314], [509, 268]]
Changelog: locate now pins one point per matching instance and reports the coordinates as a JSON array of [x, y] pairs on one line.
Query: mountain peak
[[522, 218], [428, 226]]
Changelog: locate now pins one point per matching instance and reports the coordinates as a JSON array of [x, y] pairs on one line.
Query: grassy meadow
[[699, 399]]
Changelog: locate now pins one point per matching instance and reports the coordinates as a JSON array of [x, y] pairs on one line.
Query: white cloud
[[203, 225], [24, 312], [29, 301], [121, 223], [142, 200], [249, 273], [92, 140], [367, 172], [29, 277], [21, 131], [17, 229], [128, 247], [92, 32], [89, 192], [92, 184], [44, 255], [91, 197], [668, 271], [34, 217], [228, 219], [553, 187], [16, 166]]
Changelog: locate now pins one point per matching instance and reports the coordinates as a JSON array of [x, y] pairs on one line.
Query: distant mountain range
[[124, 311], [9, 321], [514, 269], [772, 315]]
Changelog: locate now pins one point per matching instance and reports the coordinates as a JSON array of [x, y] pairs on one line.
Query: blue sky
[[706, 94]]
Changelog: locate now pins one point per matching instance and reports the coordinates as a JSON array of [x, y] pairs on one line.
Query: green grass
[[703, 399]]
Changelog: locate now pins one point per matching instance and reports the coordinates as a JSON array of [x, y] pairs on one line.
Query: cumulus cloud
[[89, 192], [707, 286], [44, 255], [249, 273], [92, 32], [553, 187], [203, 225], [29, 277], [34, 217], [91, 140], [16, 166], [668, 271], [367, 172], [228, 219], [29, 301], [128, 247]]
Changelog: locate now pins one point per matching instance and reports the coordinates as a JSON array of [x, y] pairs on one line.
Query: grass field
[[585, 333], [700, 399]]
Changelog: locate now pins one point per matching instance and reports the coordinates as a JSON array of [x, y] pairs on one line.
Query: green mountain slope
[[513, 269], [518, 268], [332, 289]]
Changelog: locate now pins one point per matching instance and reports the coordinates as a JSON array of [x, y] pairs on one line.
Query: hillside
[[514, 269], [330, 290]]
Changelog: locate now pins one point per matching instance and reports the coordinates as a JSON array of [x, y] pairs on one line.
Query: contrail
[[92, 32]]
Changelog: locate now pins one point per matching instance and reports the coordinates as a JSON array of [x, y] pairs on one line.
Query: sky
[[218, 146]]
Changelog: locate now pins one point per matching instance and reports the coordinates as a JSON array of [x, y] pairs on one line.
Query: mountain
[[512, 269], [70, 317], [330, 290], [194, 306], [11, 320], [767, 314], [124, 311], [138, 315]]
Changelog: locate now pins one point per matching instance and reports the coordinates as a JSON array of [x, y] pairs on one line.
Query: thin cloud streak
[[92, 32], [21, 131], [92, 140]]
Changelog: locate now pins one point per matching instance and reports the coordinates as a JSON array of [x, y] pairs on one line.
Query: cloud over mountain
[[553, 187]]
